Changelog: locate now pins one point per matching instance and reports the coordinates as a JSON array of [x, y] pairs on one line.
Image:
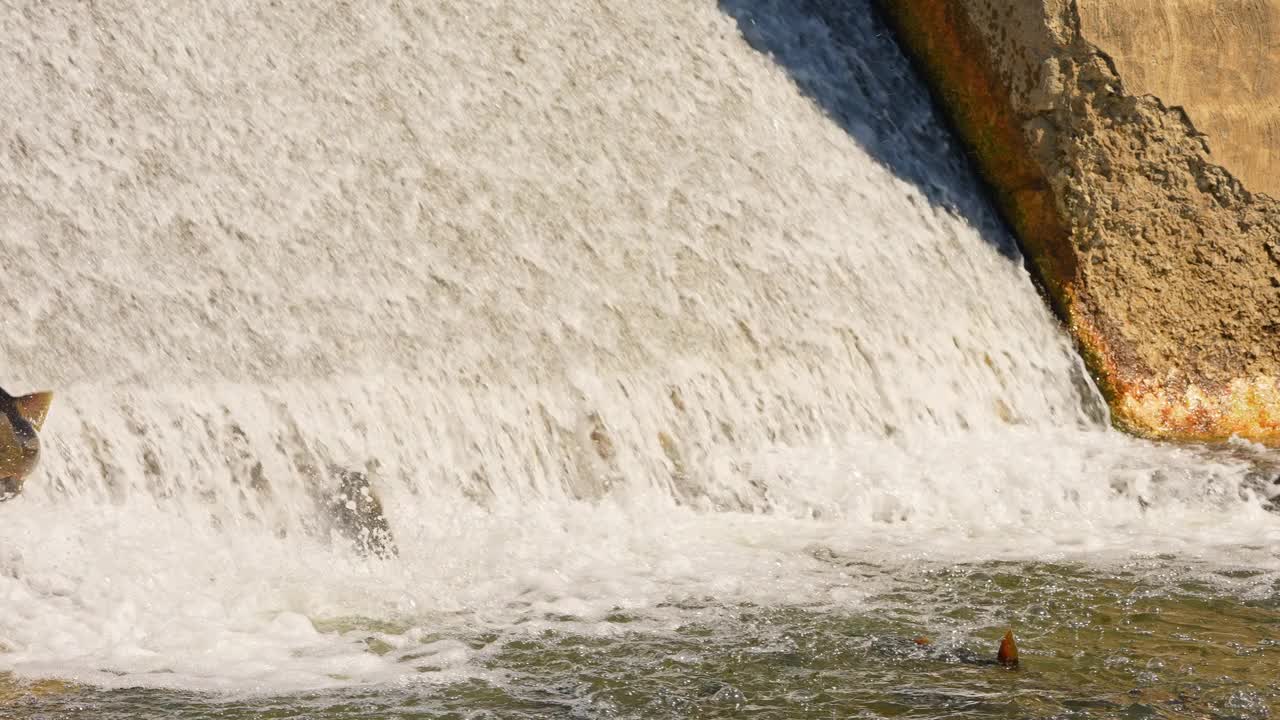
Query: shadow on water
[[842, 55]]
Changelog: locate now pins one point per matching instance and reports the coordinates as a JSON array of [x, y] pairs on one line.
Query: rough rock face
[[1218, 59], [1165, 267]]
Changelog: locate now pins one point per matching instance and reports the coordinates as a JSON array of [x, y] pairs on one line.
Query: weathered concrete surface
[[1165, 267], [1220, 59]]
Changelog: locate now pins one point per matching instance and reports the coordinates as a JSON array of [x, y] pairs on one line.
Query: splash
[[609, 309]]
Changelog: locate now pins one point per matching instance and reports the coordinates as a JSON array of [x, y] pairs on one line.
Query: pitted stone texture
[[1166, 267]]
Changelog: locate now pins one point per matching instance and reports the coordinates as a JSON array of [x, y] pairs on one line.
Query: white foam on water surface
[[615, 308], [158, 592]]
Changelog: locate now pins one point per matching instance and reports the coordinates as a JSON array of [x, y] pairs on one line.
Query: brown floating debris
[[922, 641], [1008, 655]]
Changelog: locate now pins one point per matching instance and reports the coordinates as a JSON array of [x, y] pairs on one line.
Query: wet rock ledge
[[1165, 267]]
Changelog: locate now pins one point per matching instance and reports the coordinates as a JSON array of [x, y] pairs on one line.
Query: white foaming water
[[614, 305]]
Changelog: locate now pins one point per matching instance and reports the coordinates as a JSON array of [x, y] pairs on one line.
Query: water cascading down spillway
[[611, 305]]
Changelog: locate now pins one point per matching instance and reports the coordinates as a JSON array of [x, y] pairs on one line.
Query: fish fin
[[1008, 654], [34, 407]]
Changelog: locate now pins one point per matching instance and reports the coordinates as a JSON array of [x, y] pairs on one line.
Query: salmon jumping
[[20, 421]]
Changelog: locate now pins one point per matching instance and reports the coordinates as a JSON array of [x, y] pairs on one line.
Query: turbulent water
[[667, 334]]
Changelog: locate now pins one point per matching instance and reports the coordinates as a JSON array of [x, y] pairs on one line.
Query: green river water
[[1154, 638]]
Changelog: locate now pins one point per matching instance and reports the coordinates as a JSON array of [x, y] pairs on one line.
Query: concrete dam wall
[[1162, 256], [1219, 60]]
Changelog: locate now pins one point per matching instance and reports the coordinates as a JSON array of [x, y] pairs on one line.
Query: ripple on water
[[1155, 638]]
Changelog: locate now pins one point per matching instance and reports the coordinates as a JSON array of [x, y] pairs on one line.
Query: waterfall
[[607, 303]]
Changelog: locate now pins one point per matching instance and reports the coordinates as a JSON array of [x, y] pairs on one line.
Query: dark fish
[[356, 513]]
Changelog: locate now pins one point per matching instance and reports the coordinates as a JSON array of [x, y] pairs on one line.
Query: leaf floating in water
[[922, 641], [1008, 655]]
